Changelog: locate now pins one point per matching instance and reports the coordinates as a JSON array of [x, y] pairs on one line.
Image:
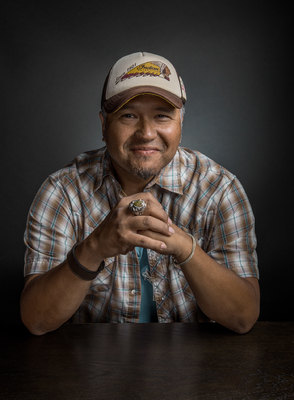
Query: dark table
[[148, 361]]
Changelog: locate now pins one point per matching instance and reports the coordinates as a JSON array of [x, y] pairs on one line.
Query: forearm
[[49, 300], [221, 294]]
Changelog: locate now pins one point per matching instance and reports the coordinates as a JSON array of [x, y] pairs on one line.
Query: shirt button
[[133, 291]]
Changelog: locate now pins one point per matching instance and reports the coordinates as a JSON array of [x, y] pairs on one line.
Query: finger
[[157, 212], [147, 222], [158, 237], [147, 242], [153, 207]]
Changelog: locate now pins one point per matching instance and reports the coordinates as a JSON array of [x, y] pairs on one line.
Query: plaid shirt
[[200, 197]]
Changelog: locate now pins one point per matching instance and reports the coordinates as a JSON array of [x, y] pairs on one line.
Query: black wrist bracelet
[[78, 269]]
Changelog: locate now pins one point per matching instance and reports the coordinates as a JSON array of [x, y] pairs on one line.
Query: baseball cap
[[142, 73]]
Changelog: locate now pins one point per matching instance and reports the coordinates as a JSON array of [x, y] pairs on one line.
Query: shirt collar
[[169, 178], [104, 169]]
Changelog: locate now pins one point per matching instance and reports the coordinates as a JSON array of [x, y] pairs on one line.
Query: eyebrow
[[167, 109]]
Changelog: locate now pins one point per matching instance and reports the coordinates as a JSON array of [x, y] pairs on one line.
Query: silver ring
[[137, 207]]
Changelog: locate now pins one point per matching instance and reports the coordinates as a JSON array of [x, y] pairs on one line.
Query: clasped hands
[[121, 231]]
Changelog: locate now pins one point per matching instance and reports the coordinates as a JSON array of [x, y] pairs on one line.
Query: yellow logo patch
[[151, 68]]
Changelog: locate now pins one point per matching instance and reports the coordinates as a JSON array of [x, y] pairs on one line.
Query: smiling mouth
[[145, 151]]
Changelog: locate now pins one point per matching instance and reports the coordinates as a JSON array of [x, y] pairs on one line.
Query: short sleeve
[[233, 242], [50, 232]]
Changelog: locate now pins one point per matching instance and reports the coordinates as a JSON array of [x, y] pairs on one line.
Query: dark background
[[234, 58]]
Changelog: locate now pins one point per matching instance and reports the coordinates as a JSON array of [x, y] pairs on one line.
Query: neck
[[133, 187], [131, 184]]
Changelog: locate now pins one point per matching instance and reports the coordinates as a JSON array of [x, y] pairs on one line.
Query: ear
[[103, 122], [182, 113]]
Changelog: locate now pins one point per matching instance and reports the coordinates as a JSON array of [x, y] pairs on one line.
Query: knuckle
[[142, 242], [151, 198], [120, 225], [146, 221], [119, 230], [122, 237]]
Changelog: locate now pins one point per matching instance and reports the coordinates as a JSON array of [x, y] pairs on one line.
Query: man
[[141, 230]]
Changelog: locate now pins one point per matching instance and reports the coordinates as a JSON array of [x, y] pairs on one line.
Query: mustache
[[145, 144]]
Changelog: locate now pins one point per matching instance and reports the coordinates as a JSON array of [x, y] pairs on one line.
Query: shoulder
[[201, 170], [77, 181], [84, 170]]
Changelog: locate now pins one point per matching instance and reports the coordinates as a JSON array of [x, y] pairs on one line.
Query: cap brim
[[114, 103]]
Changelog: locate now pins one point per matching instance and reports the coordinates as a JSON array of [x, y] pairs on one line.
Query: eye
[[128, 116], [162, 117]]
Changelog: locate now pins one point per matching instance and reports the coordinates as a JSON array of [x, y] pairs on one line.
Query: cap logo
[[151, 68]]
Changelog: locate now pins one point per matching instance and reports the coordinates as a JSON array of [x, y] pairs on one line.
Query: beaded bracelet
[[191, 255]]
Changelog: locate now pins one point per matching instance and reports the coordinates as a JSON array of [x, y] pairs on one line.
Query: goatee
[[144, 173]]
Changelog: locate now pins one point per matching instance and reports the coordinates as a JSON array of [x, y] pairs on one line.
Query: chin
[[148, 170], [145, 173]]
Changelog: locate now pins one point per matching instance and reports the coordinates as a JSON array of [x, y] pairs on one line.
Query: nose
[[146, 129]]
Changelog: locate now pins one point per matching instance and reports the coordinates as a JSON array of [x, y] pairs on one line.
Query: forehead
[[147, 101]]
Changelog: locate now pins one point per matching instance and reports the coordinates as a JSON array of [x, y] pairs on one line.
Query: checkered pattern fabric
[[200, 197]]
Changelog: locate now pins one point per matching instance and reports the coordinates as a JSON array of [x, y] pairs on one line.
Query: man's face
[[142, 137]]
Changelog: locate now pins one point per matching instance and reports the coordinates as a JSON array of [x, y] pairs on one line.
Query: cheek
[[114, 140], [173, 137]]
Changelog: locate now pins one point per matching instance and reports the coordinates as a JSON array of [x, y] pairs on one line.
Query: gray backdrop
[[233, 57]]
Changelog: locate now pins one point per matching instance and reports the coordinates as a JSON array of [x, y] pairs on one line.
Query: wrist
[[80, 270], [186, 250], [88, 255]]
